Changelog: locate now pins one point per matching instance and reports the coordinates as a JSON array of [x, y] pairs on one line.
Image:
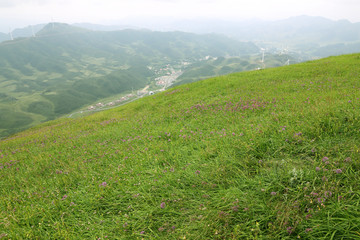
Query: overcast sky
[[19, 13]]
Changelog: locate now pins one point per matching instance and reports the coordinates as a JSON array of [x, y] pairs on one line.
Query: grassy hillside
[[64, 68], [270, 154]]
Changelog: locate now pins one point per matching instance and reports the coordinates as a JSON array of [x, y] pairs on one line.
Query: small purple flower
[[197, 172], [103, 184], [317, 169], [142, 232], [289, 230], [327, 194], [324, 159], [338, 171], [273, 193], [162, 205], [64, 197]]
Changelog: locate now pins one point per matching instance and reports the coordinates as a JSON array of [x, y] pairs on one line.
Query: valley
[[64, 69]]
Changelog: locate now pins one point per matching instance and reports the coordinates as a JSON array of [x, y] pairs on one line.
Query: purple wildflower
[[162, 205], [317, 169], [327, 194], [324, 159], [273, 193], [64, 197], [338, 171], [103, 184]]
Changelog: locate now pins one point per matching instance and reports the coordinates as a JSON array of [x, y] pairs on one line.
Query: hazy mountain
[[300, 33], [304, 34], [292, 30], [66, 67], [28, 31], [4, 37]]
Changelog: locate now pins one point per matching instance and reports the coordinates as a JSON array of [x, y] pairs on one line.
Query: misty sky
[[19, 13]]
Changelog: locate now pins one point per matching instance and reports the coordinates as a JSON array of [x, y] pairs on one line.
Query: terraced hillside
[[271, 154]]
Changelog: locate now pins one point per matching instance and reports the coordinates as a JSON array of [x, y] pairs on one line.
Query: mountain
[[4, 37], [53, 29], [271, 154], [303, 34], [28, 31], [64, 67], [291, 31]]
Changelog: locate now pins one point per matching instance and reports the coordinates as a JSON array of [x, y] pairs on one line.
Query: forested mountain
[[66, 67]]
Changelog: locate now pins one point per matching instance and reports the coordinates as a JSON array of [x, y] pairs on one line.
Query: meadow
[[269, 154]]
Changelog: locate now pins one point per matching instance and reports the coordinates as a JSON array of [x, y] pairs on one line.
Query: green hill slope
[[270, 154], [64, 67]]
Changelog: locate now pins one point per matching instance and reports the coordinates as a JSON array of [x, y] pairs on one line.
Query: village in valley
[[165, 76]]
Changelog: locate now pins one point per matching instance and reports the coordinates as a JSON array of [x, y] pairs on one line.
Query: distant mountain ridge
[[296, 29]]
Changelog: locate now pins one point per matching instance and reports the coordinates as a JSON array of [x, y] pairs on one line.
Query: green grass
[[271, 154]]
